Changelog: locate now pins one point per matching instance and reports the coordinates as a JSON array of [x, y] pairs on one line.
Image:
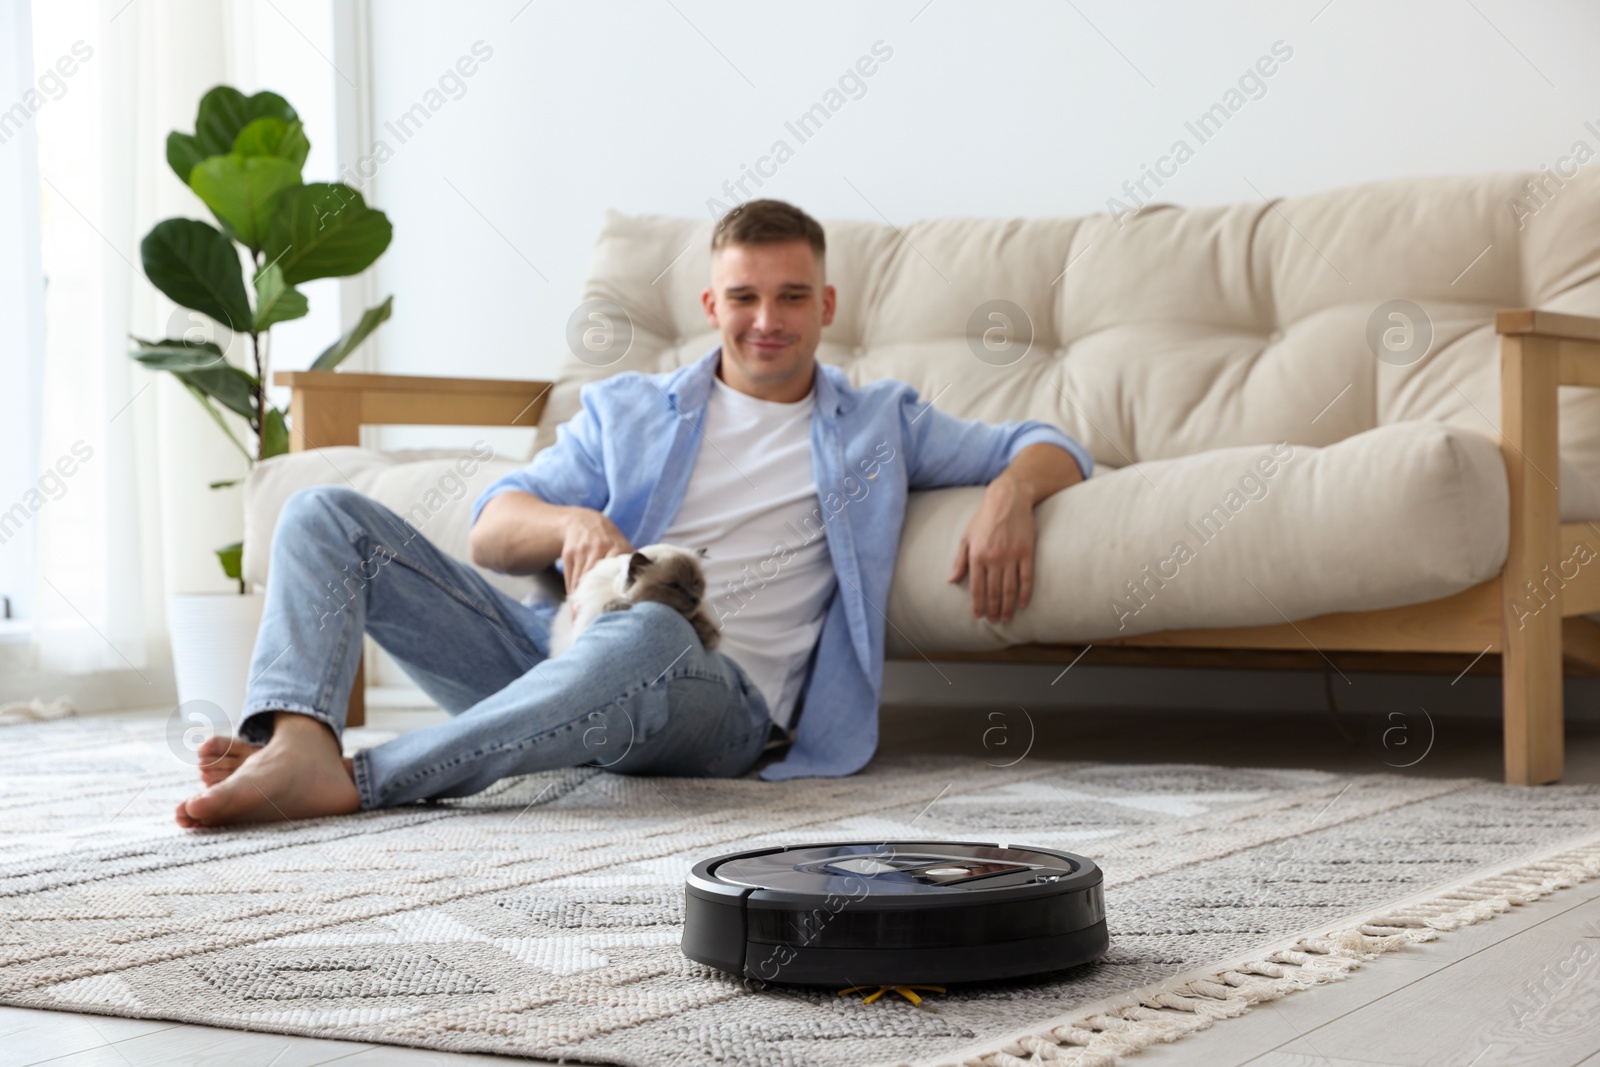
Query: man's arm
[[943, 450], [997, 547], [517, 533], [515, 527]]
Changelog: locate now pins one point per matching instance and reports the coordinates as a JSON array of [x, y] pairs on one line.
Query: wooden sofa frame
[[1527, 620]]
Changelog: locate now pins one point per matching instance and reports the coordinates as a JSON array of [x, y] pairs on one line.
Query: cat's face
[[664, 573], [668, 574]]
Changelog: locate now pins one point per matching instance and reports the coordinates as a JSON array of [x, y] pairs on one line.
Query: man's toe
[[209, 808], [185, 820], [215, 747]]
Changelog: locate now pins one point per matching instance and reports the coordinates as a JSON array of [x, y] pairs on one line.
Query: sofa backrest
[[1170, 332]]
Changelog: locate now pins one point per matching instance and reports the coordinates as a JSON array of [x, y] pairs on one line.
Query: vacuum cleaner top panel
[[902, 869]]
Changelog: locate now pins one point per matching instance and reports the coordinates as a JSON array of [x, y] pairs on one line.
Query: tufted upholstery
[[1185, 330]]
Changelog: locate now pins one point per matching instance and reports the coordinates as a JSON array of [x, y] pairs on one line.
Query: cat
[[665, 574]]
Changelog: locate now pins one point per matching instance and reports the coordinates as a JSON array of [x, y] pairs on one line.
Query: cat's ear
[[701, 552], [636, 564]]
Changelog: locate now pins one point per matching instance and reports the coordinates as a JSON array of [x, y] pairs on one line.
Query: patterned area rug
[[542, 917]]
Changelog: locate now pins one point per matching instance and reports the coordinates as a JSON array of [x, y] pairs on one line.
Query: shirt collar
[[690, 385]]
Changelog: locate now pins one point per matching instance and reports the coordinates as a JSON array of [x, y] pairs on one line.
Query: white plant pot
[[213, 636]]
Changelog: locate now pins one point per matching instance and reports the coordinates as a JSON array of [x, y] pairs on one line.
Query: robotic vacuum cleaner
[[894, 913]]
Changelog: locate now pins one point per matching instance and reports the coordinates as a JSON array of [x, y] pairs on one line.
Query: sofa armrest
[[1539, 352], [329, 408], [1555, 324]]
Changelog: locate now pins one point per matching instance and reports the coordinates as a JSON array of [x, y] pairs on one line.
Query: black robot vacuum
[[894, 913]]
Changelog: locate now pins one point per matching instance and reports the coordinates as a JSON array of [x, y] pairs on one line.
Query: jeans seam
[[363, 776], [325, 693]]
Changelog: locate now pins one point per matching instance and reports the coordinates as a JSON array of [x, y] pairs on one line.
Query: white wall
[[1023, 108]]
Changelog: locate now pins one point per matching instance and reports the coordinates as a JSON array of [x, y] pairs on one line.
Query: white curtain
[[21, 327], [135, 516], [96, 602]]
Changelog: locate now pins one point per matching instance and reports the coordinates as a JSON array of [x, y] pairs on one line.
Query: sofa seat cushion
[[1239, 536], [434, 489]]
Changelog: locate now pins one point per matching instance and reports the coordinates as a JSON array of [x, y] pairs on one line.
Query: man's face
[[770, 304]]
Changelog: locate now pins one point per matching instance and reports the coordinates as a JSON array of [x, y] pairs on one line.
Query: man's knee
[[648, 621], [337, 510], [319, 505]]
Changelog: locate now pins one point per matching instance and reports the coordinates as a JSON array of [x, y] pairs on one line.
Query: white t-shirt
[[752, 505]]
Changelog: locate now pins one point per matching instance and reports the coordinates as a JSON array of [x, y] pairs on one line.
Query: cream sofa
[[1269, 492]]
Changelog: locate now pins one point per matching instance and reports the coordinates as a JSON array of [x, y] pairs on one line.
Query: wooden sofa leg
[[1531, 658], [356, 713], [1532, 693]]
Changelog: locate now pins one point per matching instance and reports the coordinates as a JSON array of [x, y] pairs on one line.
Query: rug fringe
[[1184, 1006]]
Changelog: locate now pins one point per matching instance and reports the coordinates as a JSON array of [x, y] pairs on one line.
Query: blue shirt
[[631, 448]]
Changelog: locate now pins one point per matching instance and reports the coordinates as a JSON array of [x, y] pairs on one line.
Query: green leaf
[[242, 191], [269, 136], [335, 353], [183, 154], [228, 385], [226, 484], [224, 111], [197, 267], [325, 230], [232, 559], [178, 355], [202, 367], [276, 301], [274, 435]]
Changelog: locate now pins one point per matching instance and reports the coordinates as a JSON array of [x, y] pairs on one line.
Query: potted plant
[[243, 161]]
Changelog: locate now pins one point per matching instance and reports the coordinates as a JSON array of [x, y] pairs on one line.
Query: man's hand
[[587, 538], [997, 549], [517, 533]]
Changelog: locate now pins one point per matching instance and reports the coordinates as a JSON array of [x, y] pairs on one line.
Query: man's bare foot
[[220, 756], [299, 774]]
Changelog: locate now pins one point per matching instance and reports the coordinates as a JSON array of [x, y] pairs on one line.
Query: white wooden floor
[[1451, 1002], [1461, 1000]]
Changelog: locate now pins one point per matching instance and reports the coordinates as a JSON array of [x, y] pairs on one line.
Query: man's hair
[[768, 222]]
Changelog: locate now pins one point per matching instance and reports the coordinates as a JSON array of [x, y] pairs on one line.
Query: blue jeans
[[636, 694]]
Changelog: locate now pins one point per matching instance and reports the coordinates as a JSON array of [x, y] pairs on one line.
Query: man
[[794, 482]]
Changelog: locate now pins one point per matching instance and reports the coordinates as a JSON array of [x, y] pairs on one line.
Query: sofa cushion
[[1232, 537], [1399, 514], [434, 489]]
